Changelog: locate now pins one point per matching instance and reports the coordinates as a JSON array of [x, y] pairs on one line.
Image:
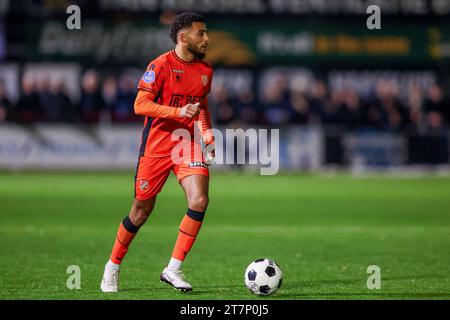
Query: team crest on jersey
[[143, 185], [149, 76], [204, 80]]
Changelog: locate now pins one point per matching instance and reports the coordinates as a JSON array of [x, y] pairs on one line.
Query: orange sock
[[126, 233], [189, 228]]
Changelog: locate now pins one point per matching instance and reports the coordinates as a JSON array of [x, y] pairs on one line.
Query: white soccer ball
[[263, 277]]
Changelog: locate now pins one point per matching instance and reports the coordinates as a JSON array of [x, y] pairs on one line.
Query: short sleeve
[[153, 78]]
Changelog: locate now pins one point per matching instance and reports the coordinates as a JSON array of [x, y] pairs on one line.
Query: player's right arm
[[145, 105]]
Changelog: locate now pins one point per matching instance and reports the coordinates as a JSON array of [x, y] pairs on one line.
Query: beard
[[197, 54]]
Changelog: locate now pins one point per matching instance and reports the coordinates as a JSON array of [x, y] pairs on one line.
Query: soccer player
[[172, 95]]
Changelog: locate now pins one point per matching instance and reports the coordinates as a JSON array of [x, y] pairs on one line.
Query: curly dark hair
[[184, 20]]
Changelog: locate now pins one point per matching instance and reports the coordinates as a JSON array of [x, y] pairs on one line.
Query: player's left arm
[[205, 127]]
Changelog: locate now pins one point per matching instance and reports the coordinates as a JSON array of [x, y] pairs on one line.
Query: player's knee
[[140, 211], [199, 203], [138, 219]]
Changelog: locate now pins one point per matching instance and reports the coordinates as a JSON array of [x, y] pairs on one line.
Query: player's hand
[[209, 154], [190, 110]]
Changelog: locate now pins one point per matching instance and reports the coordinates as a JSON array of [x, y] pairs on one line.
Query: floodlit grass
[[323, 231]]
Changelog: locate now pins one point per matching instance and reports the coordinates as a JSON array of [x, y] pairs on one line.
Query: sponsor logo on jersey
[[178, 71], [179, 100], [149, 76], [204, 80]]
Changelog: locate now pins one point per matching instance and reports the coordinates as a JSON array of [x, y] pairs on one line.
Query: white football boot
[[175, 278], [110, 281]]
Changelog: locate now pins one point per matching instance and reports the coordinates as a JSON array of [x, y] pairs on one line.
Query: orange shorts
[[152, 173]]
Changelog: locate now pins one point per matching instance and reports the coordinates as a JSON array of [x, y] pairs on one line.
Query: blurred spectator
[[331, 109], [28, 109], [62, 108], [415, 106], [224, 111], [276, 101], [109, 93], [55, 103], [5, 105], [246, 107], [300, 107], [343, 108], [386, 109], [42, 87], [350, 112], [318, 100], [436, 107], [124, 108], [91, 103]]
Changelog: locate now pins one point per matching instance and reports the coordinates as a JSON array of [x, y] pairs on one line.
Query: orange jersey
[[174, 83]]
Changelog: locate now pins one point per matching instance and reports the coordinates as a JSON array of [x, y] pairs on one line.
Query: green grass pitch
[[323, 231]]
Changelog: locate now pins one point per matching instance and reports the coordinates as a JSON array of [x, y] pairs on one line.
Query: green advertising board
[[244, 42]]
